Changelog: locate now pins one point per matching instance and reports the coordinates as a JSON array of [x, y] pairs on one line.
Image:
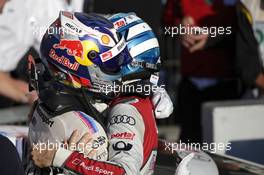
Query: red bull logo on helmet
[[64, 61], [78, 49], [73, 47]]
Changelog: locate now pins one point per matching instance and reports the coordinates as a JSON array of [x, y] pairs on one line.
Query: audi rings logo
[[123, 119]]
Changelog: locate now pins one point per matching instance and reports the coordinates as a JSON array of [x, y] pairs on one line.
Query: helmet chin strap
[[39, 77], [144, 75]]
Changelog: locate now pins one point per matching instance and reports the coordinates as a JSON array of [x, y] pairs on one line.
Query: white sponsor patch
[[137, 29], [154, 79], [131, 18]]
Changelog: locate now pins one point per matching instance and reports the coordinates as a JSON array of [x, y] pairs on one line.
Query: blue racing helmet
[[141, 41], [86, 48]]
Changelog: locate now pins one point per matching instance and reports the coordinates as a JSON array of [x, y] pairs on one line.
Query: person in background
[[250, 45], [10, 162], [207, 59], [22, 23]]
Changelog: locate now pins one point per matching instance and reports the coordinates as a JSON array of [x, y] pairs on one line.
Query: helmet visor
[[115, 58]]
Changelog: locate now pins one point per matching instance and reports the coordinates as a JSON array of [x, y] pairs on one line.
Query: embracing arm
[[125, 148], [74, 162], [126, 136], [125, 133]]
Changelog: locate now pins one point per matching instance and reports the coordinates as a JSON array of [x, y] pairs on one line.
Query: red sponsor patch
[[120, 23], [106, 56], [81, 165], [124, 135]]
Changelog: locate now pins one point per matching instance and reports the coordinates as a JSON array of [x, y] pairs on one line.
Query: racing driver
[[131, 127]]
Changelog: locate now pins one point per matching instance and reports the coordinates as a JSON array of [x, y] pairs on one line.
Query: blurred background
[[215, 82]]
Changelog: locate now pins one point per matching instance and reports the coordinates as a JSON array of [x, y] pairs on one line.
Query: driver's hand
[[162, 103], [44, 157], [193, 42]]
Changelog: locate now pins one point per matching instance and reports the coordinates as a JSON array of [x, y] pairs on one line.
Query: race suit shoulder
[[46, 130], [132, 135]]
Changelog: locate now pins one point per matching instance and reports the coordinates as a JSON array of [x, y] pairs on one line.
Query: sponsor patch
[[125, 119], [106, 56], [124, 135], [120, 23], [105, 39], [73, 47], [154, 79], [120, 46], [89, 122], [79, 164], [73, 28], [98, 142], [122, 146]]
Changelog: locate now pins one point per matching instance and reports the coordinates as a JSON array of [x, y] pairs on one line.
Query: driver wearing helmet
[[131, 127], [79, 52]]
